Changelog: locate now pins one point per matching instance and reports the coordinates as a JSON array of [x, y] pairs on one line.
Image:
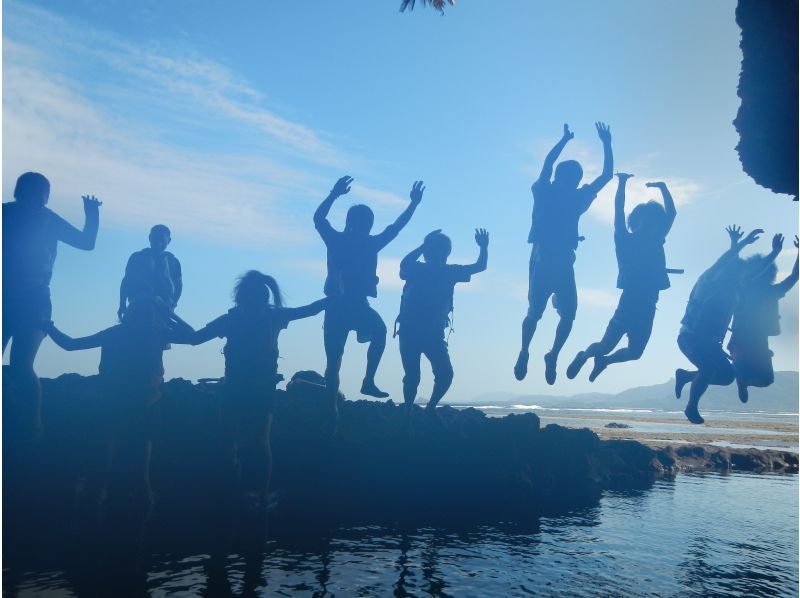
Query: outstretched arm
[[669, 203], [619, 204], [391, 231], [306, 311], [82, 239], [552, 156], [74, 344], [482, 240], [737, 242], [604, 132], [321, 223], [787, 283], [183, 334]]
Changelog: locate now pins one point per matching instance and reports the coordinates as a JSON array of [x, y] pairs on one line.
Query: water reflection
[[709, 534]]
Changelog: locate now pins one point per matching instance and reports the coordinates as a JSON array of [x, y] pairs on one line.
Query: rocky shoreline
[[461, 464]]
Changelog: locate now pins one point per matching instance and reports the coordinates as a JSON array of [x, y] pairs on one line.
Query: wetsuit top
[[154, 273], [757, 314], [641, 261], [251, 350], [428, 295], [30, 242], [554, 221]]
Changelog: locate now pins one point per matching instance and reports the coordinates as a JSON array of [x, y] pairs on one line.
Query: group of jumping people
[[131, 367]]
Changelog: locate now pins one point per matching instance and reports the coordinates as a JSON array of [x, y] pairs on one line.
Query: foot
[[576, 365], [369, 389], [521, 367], [681, 378], [550, 368], [743, 394], [600, 364], [693, 415]]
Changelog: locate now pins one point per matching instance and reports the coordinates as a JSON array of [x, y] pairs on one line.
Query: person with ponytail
[[251, 330]]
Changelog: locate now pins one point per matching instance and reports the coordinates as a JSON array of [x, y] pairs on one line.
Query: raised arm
[[391, 231], [737, 242], [604, 132], [482, 240], [82, 239], [321, 223], [306, 311], [74, 344], [619, 204], [553, 154], [669, 203], [787, 283]]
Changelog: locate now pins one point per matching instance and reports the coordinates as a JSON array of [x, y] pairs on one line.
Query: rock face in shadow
[[459, 465]]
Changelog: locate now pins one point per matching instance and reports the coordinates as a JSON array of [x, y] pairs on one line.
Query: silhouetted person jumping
[[642, 276], [31, 233], [251, 330], [352, 279], [756, 318], [557, 208], [705, 324], [425, 309], [152, 271], [131, 372]]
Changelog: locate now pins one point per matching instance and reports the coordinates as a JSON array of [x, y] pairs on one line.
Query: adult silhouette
[[756, 318], [152, 271], [352, 279], [31, 233], [642, 276], [251, 330], [558, 205], [705, 323], [425, 308]]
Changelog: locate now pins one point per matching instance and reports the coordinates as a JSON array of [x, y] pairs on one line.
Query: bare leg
[[22, 357], [374, 354], [562, 333], [442, 374], [528, 329], [682, 377], [633, 351], [605, 345]]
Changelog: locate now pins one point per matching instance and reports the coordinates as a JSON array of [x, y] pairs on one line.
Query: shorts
[[413, 345], [343, 315], [26, 311], [552, 275], [634, 316], [752, 360], [705, 354]]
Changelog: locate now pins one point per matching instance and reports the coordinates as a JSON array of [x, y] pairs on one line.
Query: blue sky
[[230, 123]]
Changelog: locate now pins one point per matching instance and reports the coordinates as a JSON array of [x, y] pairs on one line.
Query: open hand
[[342, 186], [482, 237], [91, 203], [416, 192], [567, 133], [752, 236], [777, 243], [734, 232], [603, 131]]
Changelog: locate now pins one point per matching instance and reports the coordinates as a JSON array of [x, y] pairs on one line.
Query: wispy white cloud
[[597, 298]]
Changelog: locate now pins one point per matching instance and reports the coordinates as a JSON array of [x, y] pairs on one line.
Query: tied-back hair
[[648, 216], [253, 280]]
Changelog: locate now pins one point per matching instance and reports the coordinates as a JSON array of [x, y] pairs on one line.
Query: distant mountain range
[[781, 397]]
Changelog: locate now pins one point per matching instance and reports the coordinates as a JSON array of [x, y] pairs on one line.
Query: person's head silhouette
[[568, 174], [254, 290], [360, 219], [159, 237], [648, 218], [437, 248], [759, 270], [32, 189]]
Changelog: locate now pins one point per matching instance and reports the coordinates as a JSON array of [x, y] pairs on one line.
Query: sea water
[[695, 535]]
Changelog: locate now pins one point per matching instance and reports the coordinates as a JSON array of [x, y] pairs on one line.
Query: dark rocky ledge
[[462, 464]]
